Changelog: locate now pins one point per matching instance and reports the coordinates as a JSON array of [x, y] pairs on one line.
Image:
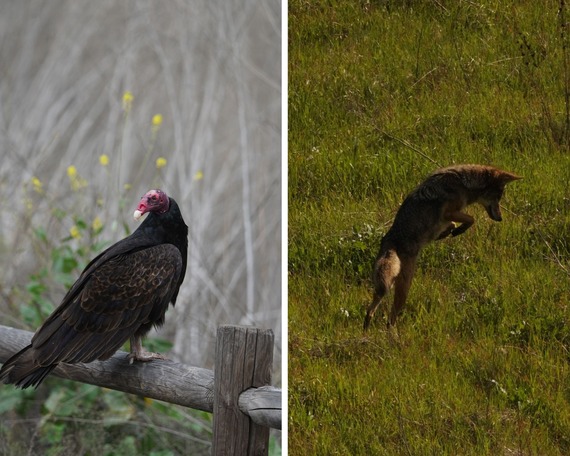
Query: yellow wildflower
[[127, 101], [76, 181], [199, 175], [160, 162], [37, 185], [127, 186], [104, 160], [97, 224], [157, 120], [75, 233]]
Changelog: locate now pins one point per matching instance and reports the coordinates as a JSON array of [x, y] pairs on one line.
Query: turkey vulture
[[120, 295]]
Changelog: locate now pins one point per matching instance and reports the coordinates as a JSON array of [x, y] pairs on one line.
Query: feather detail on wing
[[117, 298]]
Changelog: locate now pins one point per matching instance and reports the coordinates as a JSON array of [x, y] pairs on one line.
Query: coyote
[[427, 214]]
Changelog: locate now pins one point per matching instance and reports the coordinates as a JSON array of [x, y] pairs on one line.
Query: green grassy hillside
[[381, 94]]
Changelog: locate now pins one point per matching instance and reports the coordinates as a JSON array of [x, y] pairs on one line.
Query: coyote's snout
[[432, 211]]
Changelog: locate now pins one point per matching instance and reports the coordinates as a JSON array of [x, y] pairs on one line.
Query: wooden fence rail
[[238, 391]]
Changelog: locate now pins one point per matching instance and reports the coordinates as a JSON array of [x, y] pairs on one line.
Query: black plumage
[[120, 295]]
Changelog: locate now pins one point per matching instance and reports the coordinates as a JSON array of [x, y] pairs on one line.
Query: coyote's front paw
[[447, 232], [460, 229]]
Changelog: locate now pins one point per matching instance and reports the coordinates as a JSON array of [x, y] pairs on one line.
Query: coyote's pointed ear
[[507, 177]]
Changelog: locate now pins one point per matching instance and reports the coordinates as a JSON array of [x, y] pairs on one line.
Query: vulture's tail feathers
[[23, 371]]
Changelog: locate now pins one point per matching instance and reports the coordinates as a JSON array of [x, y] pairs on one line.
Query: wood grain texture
[[163, 380], [262, 405], [243, 361]]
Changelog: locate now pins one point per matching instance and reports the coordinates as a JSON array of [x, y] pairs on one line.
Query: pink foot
[[138, 353]]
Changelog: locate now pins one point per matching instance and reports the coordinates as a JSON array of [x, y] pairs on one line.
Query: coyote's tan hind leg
[[371, 310], [386, 270], [401, 288]]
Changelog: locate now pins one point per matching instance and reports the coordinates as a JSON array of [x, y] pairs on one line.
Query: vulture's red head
[[152, 201]]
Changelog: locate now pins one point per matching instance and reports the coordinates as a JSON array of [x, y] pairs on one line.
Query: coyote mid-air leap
[[432, 211]]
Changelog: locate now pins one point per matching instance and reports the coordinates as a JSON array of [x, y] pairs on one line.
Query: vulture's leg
[[138, 353]]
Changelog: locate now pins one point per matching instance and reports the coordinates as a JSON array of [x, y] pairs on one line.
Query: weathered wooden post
[[244, 356]]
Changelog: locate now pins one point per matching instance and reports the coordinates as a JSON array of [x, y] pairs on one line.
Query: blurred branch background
[[101, 101]]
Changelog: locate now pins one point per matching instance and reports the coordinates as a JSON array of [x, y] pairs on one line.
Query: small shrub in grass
[[353, 251]]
